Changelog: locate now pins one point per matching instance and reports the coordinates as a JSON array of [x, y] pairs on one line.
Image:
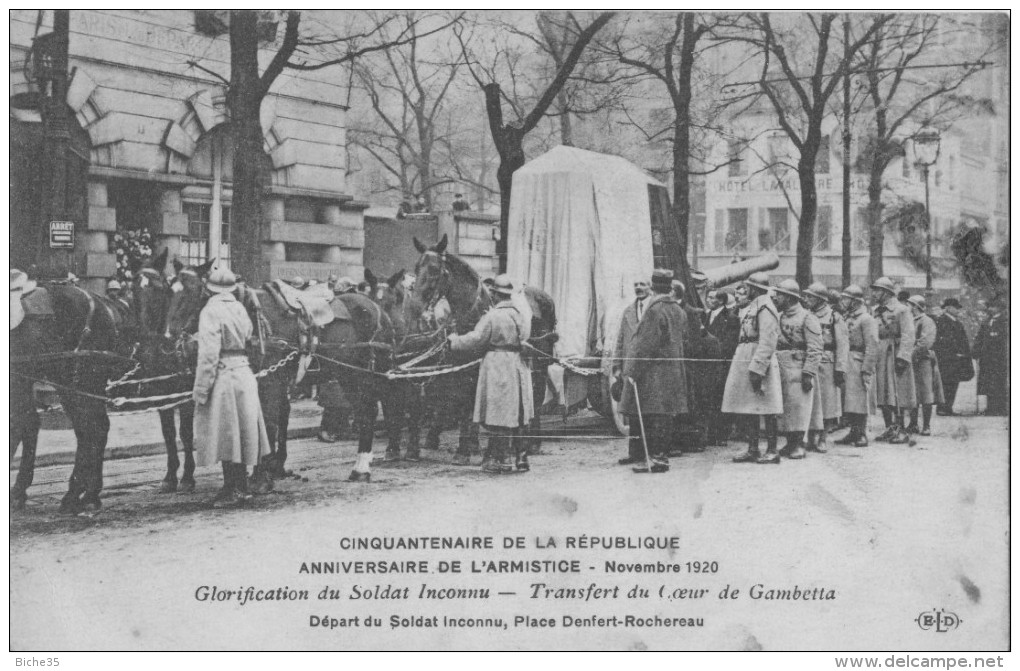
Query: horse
[[85, 341], [442, 276], [356, 351], [405, 312]]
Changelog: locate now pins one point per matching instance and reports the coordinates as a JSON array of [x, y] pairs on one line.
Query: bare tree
[[247, 88], [407, 88], [508, 136], [798, 100], [899, 103], [667, 53]]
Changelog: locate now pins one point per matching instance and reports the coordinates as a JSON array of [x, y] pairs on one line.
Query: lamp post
[[926, 152]]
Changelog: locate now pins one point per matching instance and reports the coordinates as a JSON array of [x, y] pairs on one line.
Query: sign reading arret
[[61, 235]]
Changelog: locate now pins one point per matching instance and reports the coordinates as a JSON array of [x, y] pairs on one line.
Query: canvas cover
[[580, 229]]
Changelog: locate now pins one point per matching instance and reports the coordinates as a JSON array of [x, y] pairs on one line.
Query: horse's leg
[[71, 501], [394, 407], [533, 443], [98, 429], [24, 430], [282, 424], [188, 440], [366, 410], [262, 473], [413, 402], [167, 424]]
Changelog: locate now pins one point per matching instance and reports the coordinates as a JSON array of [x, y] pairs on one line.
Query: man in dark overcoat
[[722, 322], [952, 349], [654, 365], [690, 431], [991, 349]]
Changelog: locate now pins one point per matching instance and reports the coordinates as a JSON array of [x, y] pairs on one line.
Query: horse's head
[[432, 275], [188, 297], [150, 294], [391, 296]]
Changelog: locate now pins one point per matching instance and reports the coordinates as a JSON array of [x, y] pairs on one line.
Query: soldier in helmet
[[832, 370], [895, 388], [503, 398], [862, 338], [799, 351], [753, 388], [927, 379]]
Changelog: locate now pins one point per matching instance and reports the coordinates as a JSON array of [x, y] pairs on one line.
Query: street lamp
[[926, 152]]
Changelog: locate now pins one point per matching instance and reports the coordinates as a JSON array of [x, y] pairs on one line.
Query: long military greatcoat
[[835, 359], [927, 378], [756, 352], [896, 342], [504, 396], [799, 352], [653, 361], [862, 336], [229, 425]]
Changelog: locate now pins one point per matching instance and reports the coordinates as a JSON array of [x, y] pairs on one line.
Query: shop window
[[736, 231], [823, 228], [195, 246], [776, 234]]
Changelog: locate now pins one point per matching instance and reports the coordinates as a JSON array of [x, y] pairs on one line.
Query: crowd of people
[[793, 363]]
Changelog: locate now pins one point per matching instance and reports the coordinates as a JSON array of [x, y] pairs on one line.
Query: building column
[[274, 252], [100, 261], [173, 222]]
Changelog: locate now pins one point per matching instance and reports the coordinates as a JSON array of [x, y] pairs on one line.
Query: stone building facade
[[153, 124]]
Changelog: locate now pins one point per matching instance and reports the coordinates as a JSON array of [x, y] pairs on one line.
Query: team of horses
[[107, 343]]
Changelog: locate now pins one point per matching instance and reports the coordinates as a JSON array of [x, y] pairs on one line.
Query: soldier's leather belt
[[856, 348], [741, 341], [829, 348], [788, 348], [232, 352], [507, 348]]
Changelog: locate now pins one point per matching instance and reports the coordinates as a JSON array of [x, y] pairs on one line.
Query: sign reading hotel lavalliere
[[766, 184]]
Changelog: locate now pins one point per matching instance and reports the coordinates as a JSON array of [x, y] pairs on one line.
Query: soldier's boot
[[860, 426], [753, 453], [771, 455], [912, 427], [816, 442], [797, 450], [225, 495], [926, 417], [850, 438]]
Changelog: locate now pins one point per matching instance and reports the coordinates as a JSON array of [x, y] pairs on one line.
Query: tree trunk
[[808, 213], [511, 155], [876, 232], [680, 211], [566, 129], [244, 99]]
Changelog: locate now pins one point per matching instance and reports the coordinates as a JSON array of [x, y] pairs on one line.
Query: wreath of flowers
[[133, 249]]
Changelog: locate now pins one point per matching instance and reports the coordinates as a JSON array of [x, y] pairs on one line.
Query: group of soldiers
[[792, 361]]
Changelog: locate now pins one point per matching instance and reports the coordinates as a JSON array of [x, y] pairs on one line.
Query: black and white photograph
[[511, 330]]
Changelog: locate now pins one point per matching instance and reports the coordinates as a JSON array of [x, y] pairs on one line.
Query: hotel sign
[[767, 184]]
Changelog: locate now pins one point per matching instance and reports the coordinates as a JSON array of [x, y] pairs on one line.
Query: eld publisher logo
[[939, 621]]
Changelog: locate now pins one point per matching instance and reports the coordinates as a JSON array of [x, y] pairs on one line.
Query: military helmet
[[918, 302], [502, 285], [758, 280], [885, 284], [221, 281], [818, 290], [790, 288], [854, 292], [113, 285]]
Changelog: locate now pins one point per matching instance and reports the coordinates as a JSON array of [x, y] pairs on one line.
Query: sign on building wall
[[61, 235]]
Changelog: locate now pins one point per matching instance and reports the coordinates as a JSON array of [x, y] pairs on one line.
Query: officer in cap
[[655, 378], [895, 388], [832, 370], [862, 338], [753, 388], [927, 379], [799, 352]]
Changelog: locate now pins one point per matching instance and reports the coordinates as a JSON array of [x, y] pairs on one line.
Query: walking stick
[[641, 423]]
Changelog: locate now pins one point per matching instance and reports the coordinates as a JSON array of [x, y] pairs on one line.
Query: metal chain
[[278, 365]]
